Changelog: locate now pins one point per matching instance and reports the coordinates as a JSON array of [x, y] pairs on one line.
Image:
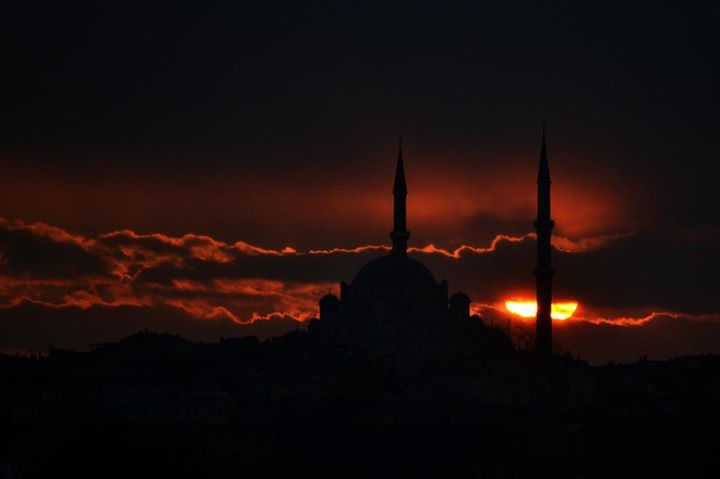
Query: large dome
[[394, 269]]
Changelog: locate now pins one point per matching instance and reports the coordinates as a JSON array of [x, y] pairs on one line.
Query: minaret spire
[[543, 270], [399, 234], [544, 169]]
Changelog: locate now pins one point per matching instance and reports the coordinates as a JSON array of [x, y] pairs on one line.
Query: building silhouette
[[395, 311], [396, 295], [394, 288], [543, 270]]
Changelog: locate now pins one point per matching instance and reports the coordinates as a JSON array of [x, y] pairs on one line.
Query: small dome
[[459, 298], [394, 269], [329, 299]]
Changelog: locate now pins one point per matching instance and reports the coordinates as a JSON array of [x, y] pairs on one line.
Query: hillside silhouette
[[156, 404]]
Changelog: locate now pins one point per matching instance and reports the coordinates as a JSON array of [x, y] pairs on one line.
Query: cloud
[[661, 336], [623, 337], [617, 279], [42, 251]]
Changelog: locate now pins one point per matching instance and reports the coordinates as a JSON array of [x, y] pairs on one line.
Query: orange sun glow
[[528, 309]]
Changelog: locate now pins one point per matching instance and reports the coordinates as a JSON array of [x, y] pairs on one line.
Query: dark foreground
[[158, 406]]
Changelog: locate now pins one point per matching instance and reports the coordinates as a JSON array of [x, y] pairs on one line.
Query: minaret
[[399, 234], [543, 270]]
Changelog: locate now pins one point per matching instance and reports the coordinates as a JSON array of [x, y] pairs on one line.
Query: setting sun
[[528, 309]]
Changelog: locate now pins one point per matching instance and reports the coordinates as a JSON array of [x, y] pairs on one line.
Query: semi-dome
[[394, 269]]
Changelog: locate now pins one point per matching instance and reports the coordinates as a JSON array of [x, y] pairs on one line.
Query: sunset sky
[[212, 170]]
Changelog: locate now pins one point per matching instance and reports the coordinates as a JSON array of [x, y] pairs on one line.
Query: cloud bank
[[198, 285]]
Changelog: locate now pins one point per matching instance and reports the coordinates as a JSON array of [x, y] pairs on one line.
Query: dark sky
[[275, 125]]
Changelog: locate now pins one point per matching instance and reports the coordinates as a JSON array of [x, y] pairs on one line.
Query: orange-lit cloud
[[560, 243], [567, 245], [647, 318], [125, 268], [130, 261], [356, 250], [570, 312], [209, 279]]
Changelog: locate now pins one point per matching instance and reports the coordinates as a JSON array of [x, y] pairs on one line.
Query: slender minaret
[[399, 234], [543, 270]]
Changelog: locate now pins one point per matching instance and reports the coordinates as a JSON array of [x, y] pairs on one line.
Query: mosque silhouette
[[396, 296]]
